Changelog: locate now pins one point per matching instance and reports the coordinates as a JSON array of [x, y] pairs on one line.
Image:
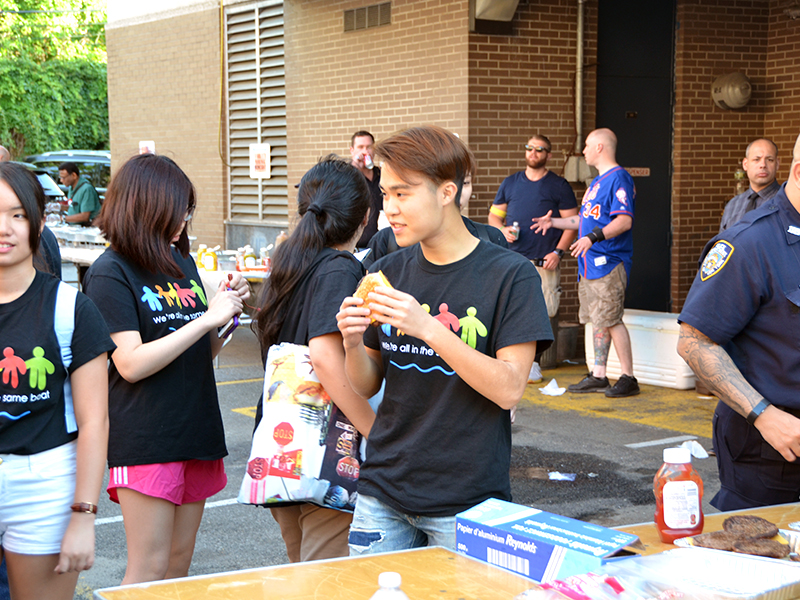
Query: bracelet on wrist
[[598, 233], [559, 253], [84, 507], [591, 236], [756, 412]]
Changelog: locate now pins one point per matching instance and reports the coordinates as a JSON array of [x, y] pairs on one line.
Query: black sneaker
[[590, 383], [625, 386]]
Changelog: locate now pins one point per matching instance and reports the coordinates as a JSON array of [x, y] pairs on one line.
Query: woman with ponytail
[[312, 272]]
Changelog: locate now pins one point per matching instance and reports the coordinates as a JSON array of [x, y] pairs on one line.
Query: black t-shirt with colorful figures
[[437, 446], [174, 414], [32, 374]]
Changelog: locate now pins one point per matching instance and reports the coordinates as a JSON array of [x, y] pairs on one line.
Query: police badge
[[715, 259]]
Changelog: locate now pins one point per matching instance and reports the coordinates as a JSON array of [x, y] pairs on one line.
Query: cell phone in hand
[[228, 328]]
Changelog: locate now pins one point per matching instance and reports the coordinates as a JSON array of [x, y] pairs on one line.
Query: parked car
[[95, 165], [56, 202]]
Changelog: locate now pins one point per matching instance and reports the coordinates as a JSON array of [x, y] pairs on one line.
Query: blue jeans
[[379, 528], [4, 593]]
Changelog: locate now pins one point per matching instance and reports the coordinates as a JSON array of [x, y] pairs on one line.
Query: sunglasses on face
[[530, 148]]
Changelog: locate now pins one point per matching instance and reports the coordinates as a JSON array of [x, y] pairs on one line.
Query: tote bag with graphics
[[304, 449]]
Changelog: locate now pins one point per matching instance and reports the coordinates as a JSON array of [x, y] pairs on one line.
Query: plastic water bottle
[[390, 587], [515, 230], [368, 161]]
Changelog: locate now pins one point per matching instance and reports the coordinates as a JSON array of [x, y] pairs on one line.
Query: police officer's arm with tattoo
[[714, 367], [710, 361]]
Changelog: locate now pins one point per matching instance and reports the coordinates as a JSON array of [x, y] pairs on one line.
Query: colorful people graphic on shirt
[[166, 295], [174, 294], [472, 328], [151, 298], [186, 296], [39, 368], [199, 291], [446, 318], [13, 366]]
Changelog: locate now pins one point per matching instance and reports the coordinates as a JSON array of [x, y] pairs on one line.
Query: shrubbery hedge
[[54, 105]]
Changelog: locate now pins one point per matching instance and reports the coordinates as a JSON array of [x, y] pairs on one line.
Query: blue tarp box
[[536, 544]]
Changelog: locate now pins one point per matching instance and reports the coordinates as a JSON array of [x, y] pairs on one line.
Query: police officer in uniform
[[740, 333]]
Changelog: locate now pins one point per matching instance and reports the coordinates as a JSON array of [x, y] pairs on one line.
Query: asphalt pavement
[[583, 456]]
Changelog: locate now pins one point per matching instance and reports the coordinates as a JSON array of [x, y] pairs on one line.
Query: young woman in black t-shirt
[[166, 440], [312, 271], [52, 444]]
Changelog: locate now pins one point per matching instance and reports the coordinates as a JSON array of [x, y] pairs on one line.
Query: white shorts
[[36, 493]]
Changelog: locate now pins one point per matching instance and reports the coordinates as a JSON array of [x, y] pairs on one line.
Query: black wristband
[[592, 237], [598, 234], [756, 412]]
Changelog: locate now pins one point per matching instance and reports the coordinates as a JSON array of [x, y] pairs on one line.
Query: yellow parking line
[[247, 411], [235, 381], [677, 410]]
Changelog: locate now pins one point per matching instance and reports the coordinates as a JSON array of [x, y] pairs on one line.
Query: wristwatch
[[559, 252], [756, 412]]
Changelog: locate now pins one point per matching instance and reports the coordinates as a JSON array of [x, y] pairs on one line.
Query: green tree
[[44, 30], [54, 93]]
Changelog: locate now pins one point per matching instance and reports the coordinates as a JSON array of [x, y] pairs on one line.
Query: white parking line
[[662, 442], [118, 519]]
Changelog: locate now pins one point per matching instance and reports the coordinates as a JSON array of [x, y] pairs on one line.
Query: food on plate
[[718, 540], [749, 526], [368, 284], [761, 547], [745, 534]]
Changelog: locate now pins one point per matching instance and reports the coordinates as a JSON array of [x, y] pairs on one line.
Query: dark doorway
[[634, 99]]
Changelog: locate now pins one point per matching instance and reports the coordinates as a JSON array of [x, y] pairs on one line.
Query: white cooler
[[654, 339]]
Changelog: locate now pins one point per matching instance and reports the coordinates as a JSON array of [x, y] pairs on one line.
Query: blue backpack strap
[[64, 325]]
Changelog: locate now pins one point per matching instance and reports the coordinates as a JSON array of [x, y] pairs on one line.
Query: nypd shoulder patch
[[716, 259]]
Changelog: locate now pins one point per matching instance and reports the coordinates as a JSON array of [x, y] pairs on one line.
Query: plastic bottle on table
[[679, 496], [390, 587], [515, 230], [249, 257], [282, 237], [201, 250], [210, 259]]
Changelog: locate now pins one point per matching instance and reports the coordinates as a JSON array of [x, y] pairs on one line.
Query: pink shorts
[[181, 482]]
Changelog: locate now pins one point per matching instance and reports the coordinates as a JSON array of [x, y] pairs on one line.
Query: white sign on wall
[[259, 161], [147, 147]]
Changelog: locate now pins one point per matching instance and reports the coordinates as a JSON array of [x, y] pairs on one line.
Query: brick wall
[[385, 79], [782, 122], [165, 88], [493, 90], [715, 38], [525, 84]]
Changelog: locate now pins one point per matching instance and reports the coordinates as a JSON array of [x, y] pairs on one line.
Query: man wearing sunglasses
[[531, 193]]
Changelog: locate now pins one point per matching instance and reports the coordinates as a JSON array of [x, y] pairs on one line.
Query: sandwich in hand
[[368, 284]]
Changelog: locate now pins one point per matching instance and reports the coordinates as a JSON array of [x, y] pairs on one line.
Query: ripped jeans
[[379, 528]]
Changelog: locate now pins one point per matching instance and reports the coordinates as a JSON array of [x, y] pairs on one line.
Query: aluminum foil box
[[536, 544]]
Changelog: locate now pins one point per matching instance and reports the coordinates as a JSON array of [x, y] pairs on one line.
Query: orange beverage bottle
[[679, 496]]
